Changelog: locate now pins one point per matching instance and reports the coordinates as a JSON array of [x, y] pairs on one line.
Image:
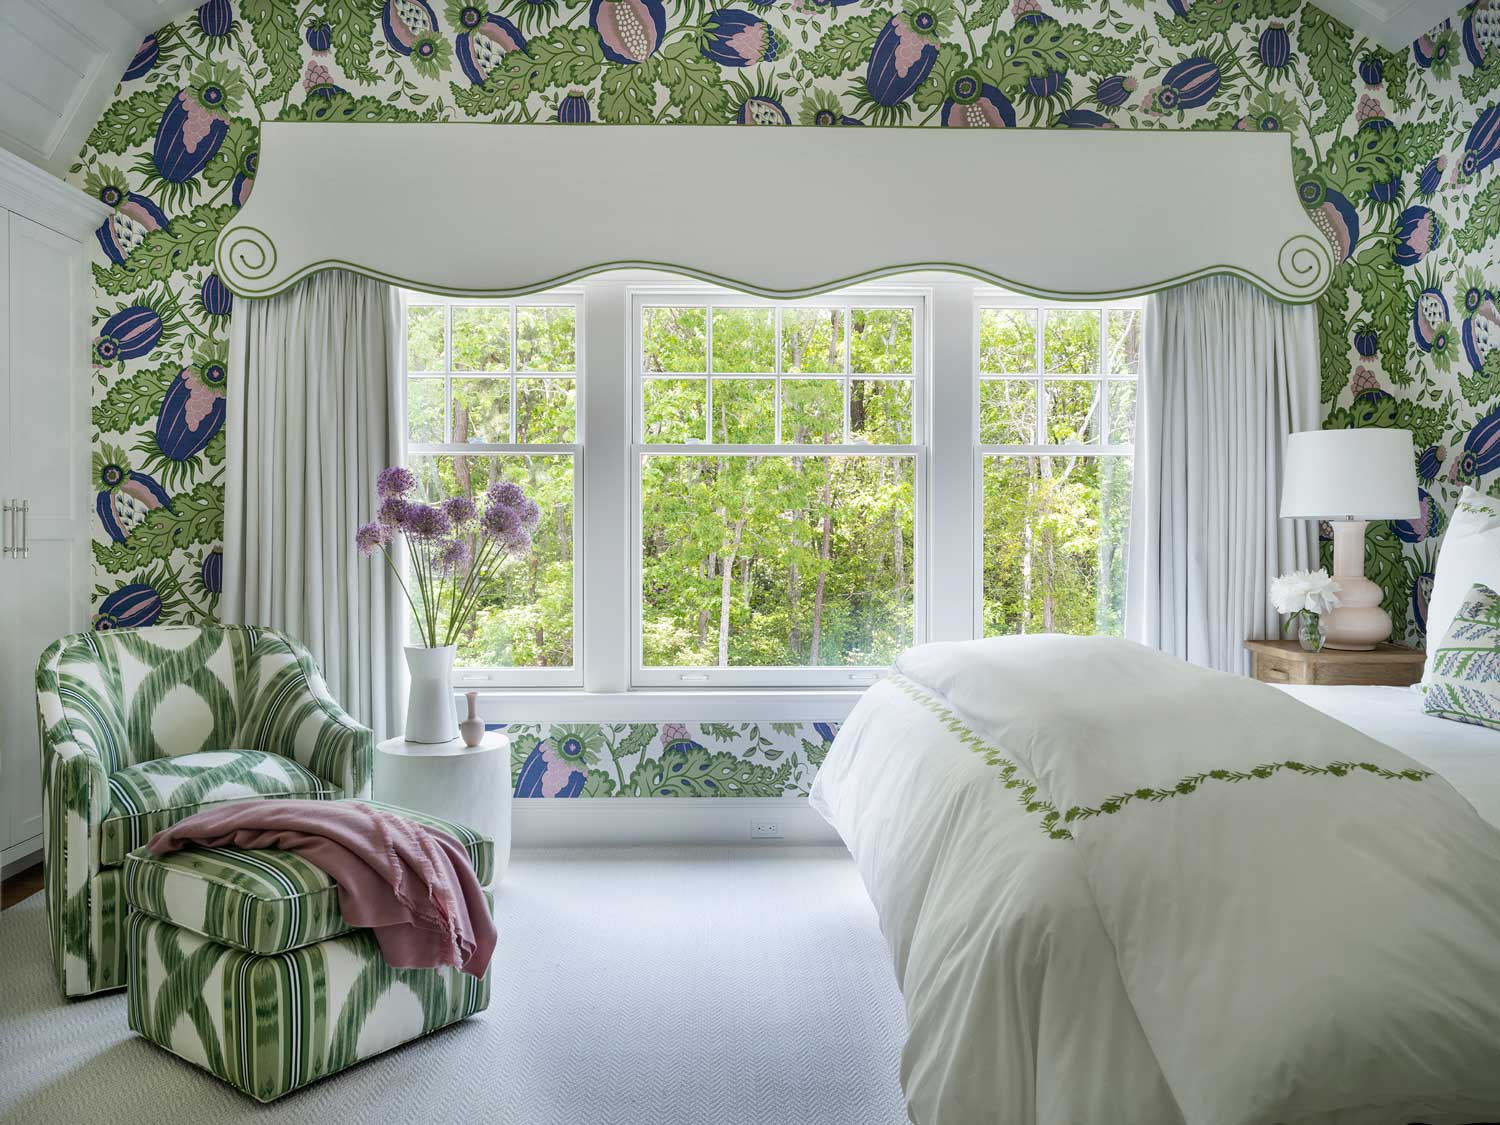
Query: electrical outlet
[[765, 828]]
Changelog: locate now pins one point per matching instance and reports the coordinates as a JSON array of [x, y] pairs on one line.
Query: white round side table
[[449, 780]]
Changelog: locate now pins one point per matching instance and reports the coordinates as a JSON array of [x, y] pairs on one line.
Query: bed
[[1121, 889], [1468, 756]]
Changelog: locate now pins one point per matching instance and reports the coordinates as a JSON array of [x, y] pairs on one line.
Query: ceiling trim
[[46, 199]]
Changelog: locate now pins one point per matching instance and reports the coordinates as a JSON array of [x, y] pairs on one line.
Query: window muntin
[[491, 393], [778, 486], [1055, 424]]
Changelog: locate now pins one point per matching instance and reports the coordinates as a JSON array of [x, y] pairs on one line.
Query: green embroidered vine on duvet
[[1009, 772]]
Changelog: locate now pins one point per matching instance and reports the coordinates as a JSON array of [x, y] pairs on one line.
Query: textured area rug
[[716, 986]]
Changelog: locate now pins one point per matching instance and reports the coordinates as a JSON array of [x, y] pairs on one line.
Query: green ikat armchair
[[142, 727]]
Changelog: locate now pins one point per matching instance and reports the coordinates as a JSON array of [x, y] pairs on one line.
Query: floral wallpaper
[[1392, 153], [742, 759]]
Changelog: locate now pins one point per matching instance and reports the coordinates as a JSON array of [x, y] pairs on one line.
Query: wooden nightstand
[[1284, 662]]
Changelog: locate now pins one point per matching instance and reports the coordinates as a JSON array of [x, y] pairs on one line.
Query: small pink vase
[[472, 728]]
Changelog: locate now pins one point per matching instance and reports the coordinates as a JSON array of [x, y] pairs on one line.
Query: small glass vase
[[1310, 633]]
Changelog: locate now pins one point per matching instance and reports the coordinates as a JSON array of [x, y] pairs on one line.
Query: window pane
[[880, 411], [812, 341], [812, 411], [880, 341], [1007, 411], [745, 410], [1122, 411], [1055, 535], [745, 340], [1070, 341], [546, 339], [1007, 341], [525, 612], [424, 338], [424, 410], [1072, 410], [674, 339], [545, 410], [481, 338], [776, 561], [481, 410], [673, 410], [1124, 341]]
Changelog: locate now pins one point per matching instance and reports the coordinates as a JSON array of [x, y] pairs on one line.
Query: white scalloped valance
[[509, 209]]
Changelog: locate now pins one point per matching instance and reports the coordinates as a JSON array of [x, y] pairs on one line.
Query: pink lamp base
[[1358, 624]]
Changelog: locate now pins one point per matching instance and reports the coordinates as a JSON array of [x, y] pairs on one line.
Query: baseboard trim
[[622, 821], [18, 857]]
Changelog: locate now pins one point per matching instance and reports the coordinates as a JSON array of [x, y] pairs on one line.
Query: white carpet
[[721, 986]]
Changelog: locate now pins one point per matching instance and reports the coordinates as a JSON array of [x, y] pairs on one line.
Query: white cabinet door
[[46, 469]]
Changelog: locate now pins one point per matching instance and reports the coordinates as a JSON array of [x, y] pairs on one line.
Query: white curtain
[[314, 413], [1227, 373]]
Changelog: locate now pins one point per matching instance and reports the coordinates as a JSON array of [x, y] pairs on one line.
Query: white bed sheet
[[1468, 756]]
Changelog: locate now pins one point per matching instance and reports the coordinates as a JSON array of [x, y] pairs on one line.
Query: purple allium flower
[[506, 493], [460, 509], [395, 481], [452, 557], [519, 542], [530, 514], [371, 537], [394, 513], [500, 522], [425, 521]]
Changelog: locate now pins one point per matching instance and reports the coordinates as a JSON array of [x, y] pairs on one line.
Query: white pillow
[[1470, 555]]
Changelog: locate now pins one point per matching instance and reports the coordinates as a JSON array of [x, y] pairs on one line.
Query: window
[[778, 464], [491, 393], [1056, 422], [777, 493]]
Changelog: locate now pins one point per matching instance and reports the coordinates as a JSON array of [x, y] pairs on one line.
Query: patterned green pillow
[[1465, 683]]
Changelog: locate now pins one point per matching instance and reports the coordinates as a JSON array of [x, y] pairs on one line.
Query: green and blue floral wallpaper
[[738, 759], [1392, 151]]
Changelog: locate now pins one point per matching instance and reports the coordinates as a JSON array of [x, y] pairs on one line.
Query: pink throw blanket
[[413, 885]]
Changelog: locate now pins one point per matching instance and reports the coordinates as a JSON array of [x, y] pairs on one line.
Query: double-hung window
[[778, 468], [1056, 422], [780, 494], [492, 394]]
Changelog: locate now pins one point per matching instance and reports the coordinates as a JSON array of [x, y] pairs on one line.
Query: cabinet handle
[[24, 550], [6, 525]]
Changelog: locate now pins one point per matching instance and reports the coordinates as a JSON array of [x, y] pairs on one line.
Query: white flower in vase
[[1306, 595]]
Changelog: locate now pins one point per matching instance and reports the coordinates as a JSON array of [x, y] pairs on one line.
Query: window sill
[[526, 705]]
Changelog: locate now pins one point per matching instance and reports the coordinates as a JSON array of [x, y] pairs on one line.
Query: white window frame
[[704, 296], [607, 678], [989, 298], [571, 676]]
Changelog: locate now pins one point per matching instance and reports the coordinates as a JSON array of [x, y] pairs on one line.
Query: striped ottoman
[[240, 963]]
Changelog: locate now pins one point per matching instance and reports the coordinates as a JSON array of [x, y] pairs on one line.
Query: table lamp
[[1350, 477]]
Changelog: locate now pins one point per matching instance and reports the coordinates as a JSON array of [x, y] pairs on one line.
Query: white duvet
[[1120, 889]]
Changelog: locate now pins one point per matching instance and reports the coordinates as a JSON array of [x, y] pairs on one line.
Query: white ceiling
[[61, 59], [1391, 23]]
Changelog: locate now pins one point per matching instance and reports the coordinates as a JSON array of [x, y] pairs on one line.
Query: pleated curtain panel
[[1227, 373], [313, 415]]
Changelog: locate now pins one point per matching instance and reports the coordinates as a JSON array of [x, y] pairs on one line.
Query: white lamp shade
[[1360, 474]]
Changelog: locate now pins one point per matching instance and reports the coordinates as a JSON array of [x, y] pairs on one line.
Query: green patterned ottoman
[[240, 963]]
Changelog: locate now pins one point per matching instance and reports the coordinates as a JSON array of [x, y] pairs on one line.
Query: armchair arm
[[75, 796], [294, 716]]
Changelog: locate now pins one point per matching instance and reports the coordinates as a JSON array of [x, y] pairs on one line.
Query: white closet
[[44, 465]]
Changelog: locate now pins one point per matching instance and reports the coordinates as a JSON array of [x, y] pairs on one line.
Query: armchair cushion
[[145, 798]]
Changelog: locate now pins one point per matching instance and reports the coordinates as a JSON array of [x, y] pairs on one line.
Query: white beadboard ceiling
[[61, 59]]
